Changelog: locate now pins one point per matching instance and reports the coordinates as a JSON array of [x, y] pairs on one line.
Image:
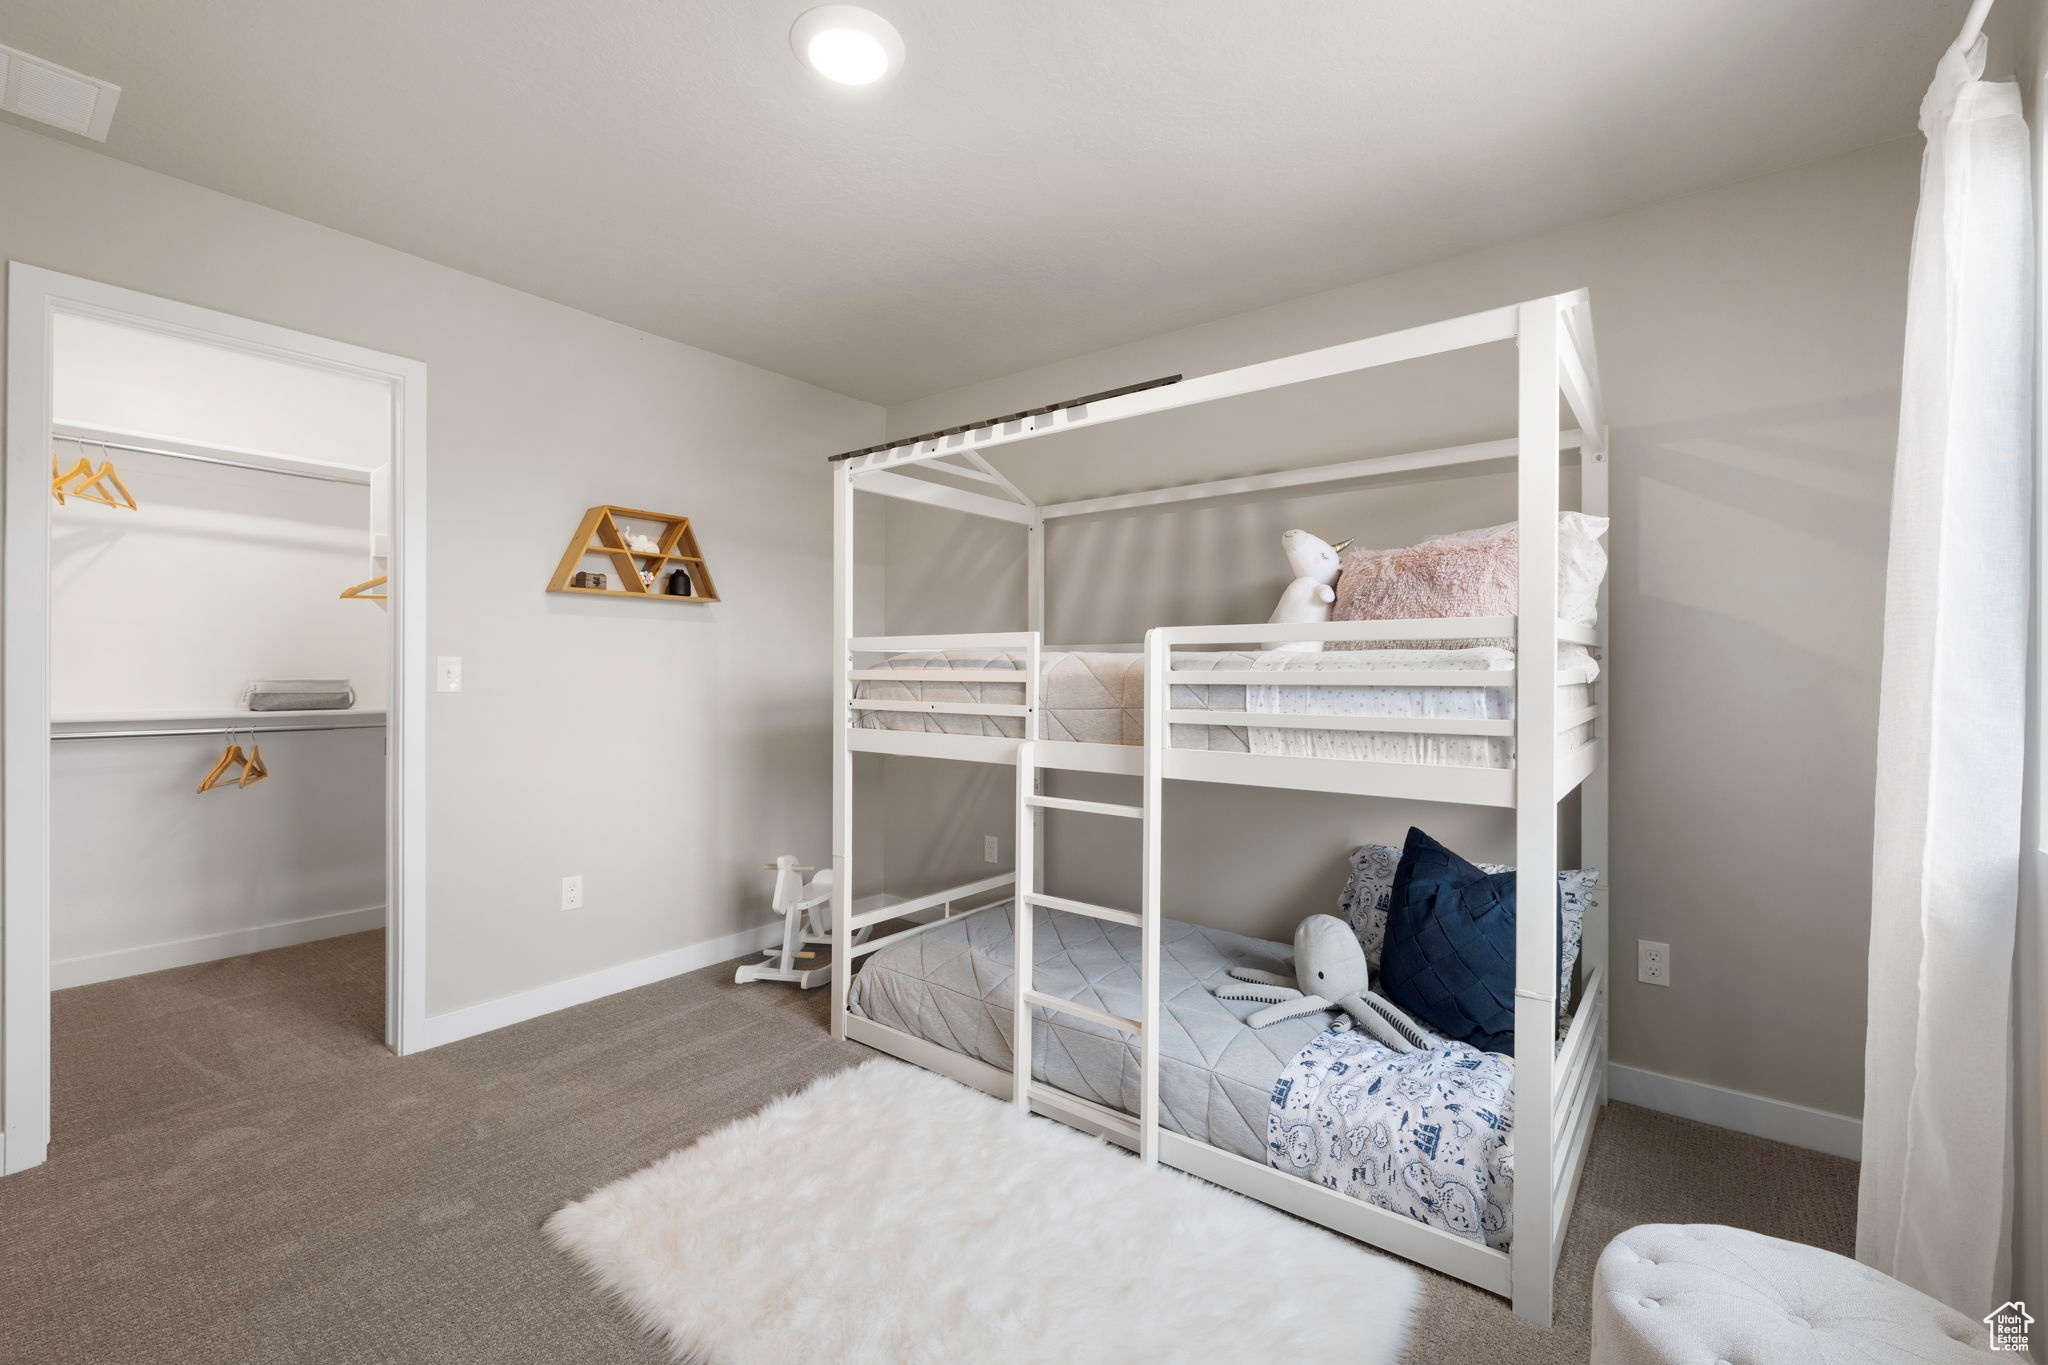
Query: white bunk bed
[[1558, 746]]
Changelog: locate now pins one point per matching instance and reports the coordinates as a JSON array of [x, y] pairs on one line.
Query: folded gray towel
[[299, 694]]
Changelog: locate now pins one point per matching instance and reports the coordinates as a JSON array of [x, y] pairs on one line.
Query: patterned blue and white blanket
[[1425, 1134]]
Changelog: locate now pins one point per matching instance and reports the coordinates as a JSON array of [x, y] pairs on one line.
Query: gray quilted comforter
[[951, 986]]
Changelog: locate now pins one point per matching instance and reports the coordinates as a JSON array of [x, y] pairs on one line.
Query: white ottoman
[[1699, 1294]]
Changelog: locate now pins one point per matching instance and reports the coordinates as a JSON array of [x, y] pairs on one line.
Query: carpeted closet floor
[[242, 1175]]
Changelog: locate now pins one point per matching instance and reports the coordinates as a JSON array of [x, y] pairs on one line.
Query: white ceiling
[[1041, 179]]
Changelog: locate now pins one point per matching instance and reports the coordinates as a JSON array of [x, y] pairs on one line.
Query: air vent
[[47, 93]]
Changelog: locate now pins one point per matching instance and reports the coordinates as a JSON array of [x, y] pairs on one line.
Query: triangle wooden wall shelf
[[602, 537]]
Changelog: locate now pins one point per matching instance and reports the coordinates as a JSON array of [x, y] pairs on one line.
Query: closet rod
[[338, 476], [213, 730]]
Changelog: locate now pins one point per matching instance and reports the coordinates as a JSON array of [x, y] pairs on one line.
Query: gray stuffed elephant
[[1329, 974]]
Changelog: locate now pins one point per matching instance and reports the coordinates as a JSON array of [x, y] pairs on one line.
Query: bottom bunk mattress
[[1426, 1134]]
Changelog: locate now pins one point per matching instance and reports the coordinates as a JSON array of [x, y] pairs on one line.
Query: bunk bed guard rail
[[1026, 673], [1162, 642]]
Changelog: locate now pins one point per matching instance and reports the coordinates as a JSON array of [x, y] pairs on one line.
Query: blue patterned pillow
[[1371, 889], [1450, 947]]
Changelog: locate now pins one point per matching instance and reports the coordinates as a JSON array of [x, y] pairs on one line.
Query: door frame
[[35, 297]]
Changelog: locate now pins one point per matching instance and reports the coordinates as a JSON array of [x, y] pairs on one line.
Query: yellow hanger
[[59, 478], [93, 488], [361, 591], [254, 770], [228, 759]]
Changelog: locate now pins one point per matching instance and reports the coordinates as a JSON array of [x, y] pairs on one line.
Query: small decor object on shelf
[[645, 563], [679, 584]]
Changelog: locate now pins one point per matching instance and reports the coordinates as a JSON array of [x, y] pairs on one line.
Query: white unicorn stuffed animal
[[1309, 597], [1313, 557], [1304, 601]]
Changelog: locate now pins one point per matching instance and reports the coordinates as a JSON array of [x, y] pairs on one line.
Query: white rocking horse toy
[[806, 910]]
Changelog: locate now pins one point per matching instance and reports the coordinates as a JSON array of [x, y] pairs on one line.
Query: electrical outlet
[[1653, 963], [448, 673], [991, 851], [572, 892]]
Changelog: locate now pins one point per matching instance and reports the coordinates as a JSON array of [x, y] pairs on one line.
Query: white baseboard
[[184, 952], [581, 990], [1757, 1115]]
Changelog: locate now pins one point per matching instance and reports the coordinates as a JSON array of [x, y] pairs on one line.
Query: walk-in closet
[[218, 661]]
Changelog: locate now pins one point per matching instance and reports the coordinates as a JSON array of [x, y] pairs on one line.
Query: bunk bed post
[[1021, 923], [1034, 575], [842, 753], [1531, 1264], [1158, 658], [1034, 619], [1595, 468]]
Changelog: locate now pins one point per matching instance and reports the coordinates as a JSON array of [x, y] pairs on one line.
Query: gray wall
[[661, 751], [1750, 341]]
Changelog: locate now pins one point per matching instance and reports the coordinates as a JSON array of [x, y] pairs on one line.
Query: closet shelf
[[614, 592], [602, 535]]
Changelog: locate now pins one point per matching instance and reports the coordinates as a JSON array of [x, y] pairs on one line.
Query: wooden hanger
[[229, 758], [361, 591], [94, 485], [254, 770], [59, 478], [94, 489]]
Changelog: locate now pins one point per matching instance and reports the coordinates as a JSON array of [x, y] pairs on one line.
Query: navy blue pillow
[[1450, 950]]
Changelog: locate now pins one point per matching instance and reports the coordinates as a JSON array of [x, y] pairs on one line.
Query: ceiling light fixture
[[847, 44]]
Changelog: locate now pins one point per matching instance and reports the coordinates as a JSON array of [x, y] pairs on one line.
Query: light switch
[[448, 673]]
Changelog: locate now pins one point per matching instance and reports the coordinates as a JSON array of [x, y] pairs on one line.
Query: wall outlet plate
[[991, 850], [1653, 963], [572, 892], [448, 673]]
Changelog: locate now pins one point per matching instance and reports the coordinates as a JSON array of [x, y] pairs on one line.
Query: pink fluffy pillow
[[1472, 573]]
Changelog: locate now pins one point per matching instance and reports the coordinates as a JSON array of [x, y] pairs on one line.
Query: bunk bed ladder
[[1024, 997]]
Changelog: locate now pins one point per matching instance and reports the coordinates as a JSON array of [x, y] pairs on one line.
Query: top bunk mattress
[[1099, 698]]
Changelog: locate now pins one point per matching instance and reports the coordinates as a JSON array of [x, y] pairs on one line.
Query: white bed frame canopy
[[1557, 1093]]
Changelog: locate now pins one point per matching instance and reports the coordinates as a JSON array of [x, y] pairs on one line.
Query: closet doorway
[[213, 578]]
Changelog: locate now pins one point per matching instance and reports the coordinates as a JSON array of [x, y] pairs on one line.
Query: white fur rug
[[887, 1214]]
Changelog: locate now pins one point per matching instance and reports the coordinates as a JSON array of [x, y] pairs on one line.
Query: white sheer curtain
[[1934, 1208]]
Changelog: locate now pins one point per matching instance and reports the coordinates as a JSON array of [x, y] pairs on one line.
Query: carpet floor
[[240, 1173]]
